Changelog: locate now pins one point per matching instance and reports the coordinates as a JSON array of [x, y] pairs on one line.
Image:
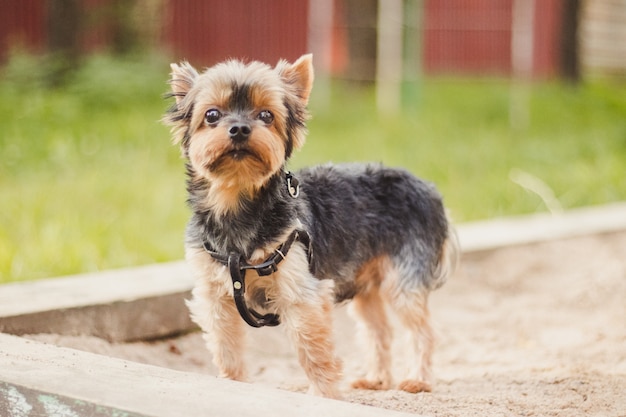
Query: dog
[[267, 246]]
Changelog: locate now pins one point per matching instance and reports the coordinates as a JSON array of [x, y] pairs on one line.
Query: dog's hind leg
[[369, 311], [407, 292], [412, 310]]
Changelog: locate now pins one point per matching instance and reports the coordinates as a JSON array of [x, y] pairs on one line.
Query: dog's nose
[[239, 132]]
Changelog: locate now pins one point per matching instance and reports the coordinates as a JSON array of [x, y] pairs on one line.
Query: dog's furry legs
[[309, 326], [412, 310], [305, 307], [223, 329], [368, 308]]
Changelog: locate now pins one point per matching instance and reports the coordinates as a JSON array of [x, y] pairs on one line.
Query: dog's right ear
[[178, 116], [183, 78]]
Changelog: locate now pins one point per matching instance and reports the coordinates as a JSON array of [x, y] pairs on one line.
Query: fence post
[[389, 56]]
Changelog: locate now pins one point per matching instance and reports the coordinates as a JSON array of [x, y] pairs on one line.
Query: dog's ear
[[299, 76], [298, 81], [178, 116], [183, 78]]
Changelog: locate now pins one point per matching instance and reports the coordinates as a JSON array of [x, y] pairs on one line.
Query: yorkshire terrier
[[362, 232]]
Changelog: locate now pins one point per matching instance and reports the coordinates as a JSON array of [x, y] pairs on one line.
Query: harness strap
[[238, 275], [237, 267]]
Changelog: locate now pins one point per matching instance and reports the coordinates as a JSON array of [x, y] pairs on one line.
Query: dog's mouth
[[239, 154], [235, 154]]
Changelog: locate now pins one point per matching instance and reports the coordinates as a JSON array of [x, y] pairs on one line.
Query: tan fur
[[376, 335], [379, 286], [299, 75], [230, 179], [305, 304], [369, 310], [412, 310], [212, 308], [448, 259]]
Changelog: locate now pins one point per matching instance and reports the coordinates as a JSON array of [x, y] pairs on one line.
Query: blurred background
[[508, 106]]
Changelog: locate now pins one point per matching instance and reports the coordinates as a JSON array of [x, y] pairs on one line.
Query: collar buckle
[[293, 185]]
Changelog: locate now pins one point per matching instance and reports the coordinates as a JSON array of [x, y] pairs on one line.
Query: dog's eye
[[212, 116], [266, 117]]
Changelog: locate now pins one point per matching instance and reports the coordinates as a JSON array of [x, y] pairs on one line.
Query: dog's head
[[238, 123]]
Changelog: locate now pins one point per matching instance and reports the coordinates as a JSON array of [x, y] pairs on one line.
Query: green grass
[[90, 181]]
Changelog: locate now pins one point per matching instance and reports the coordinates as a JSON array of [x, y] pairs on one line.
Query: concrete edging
[[67, 382], [521, 230], [119, 305]]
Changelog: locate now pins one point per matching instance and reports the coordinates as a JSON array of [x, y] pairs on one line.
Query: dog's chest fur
[[257, 224]]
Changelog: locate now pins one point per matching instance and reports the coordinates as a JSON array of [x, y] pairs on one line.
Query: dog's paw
[[327, 392], [414, 386], [370, 385]]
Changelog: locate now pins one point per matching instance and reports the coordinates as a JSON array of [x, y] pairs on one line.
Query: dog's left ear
[[299, 76]]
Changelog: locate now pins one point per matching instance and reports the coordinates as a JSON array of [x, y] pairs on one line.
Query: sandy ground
[[534, 330]]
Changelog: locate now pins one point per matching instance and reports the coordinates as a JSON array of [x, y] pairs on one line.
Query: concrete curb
[[50, 381], [119, 306], [509, 231]]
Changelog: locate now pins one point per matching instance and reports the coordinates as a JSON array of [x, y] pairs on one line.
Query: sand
[[532, 330]]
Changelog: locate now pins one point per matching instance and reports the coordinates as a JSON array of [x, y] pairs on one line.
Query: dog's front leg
[[214, 310], [305, 305], [310, 328]]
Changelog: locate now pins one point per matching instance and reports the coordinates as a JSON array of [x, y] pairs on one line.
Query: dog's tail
[[448, 259]]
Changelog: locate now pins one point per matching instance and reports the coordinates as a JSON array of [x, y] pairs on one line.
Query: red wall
[[474, 37], [206, 32], [467, 36], [459, 36], [22, 24]]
